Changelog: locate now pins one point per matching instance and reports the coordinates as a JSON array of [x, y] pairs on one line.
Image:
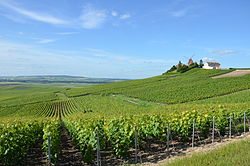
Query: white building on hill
[[211, 65]]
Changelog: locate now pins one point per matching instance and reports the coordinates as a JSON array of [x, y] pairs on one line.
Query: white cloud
[[34, 15], [44, 41], [125, 16], [206, 59], [21, 59], [114, 13], [223, 52], [92, 18]]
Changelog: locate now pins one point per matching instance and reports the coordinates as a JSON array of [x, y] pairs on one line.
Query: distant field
[[57, 79]]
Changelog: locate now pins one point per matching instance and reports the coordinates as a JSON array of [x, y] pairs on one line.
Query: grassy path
[[235, 153], [61, 95]]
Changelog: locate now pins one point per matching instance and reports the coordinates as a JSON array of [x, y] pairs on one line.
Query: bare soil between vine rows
[[70, 154], [36, 156]]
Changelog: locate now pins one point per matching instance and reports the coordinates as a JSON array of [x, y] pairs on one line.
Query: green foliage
[[114, 112], [183, 69], [192, 85], [238, 97], [173, 68], [240, 127], [52, 129], [118, 132], [84, 135], [16, 138], [194, 65], [201, 64]]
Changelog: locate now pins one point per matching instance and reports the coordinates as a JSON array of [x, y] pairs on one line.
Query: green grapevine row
[[193, 85], [16, 138], [118, 133], [56, 109], [52, 129]]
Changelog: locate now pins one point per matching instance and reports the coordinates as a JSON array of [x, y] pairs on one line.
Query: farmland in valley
[[113, 117]]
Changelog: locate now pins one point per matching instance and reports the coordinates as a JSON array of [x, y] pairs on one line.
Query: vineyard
[[118, 123]]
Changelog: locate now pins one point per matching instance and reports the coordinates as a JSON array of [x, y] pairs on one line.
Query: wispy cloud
[[92, 18], [181, 12], [121, 58], [66, 33], [206, 59], [45, 41], [22, 59], [125, 16], [114, 13], [224, 52], [34, 15]]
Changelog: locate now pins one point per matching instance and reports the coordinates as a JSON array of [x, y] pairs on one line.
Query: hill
[[172, 88], [174, 109], [57, 79]]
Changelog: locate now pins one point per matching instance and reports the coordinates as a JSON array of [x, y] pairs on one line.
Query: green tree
[[183, 69], [201, 63], [173, 68]]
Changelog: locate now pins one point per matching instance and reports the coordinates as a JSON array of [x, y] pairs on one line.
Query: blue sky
[[120, 38]]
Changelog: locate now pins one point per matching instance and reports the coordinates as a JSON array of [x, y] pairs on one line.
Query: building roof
[[214, 63], [190, 61]]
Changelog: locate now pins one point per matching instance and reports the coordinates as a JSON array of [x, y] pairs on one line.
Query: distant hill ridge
[[58, 79]]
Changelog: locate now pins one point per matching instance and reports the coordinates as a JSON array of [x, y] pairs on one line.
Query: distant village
[[181, 67]]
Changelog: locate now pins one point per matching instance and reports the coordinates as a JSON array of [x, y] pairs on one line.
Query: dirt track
[[235, 73], [70, 154], [199, 150]]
